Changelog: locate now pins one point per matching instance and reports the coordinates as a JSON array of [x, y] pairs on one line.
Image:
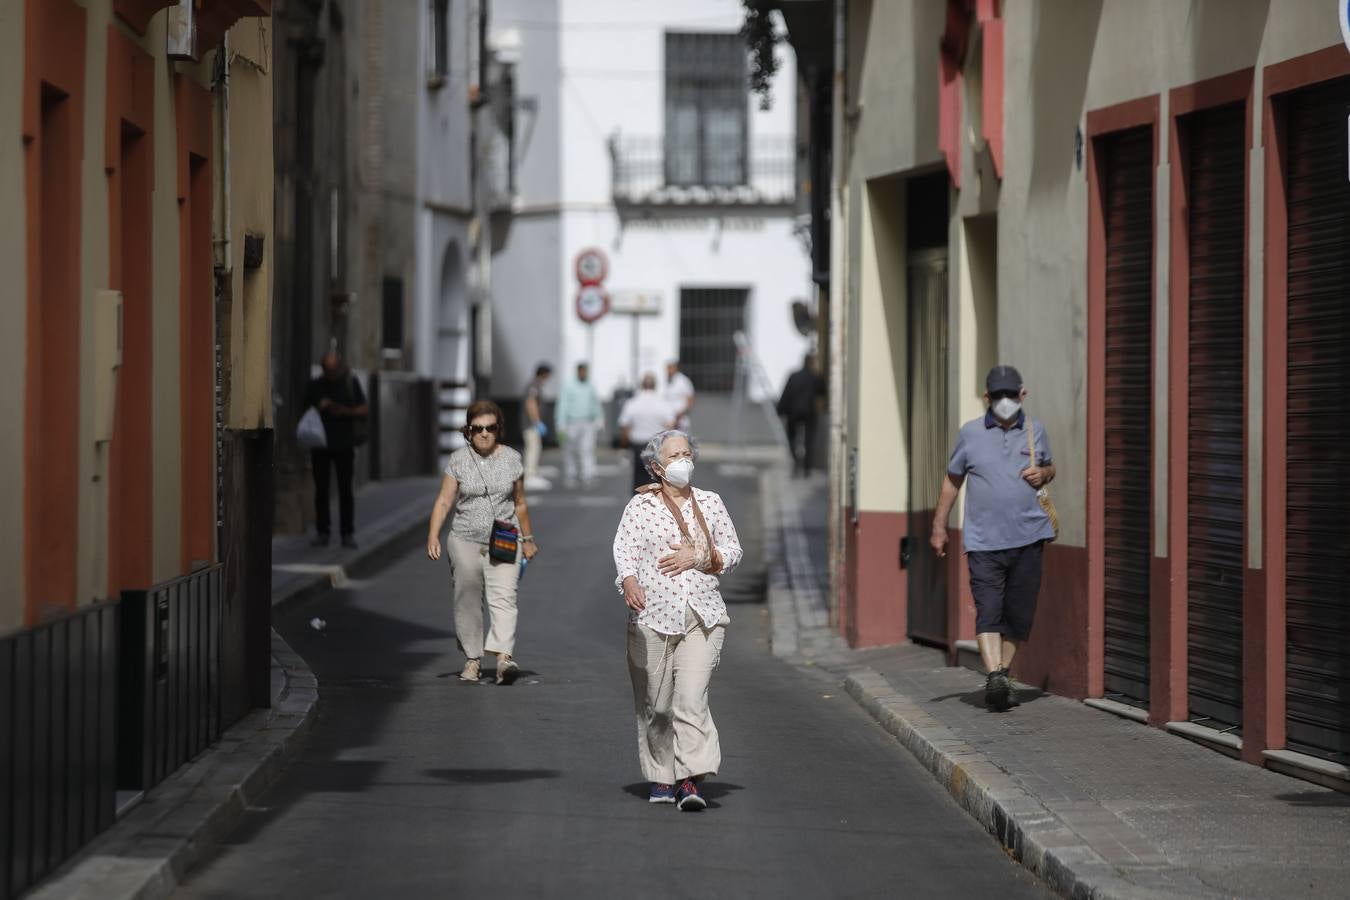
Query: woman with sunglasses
[[484, 482]]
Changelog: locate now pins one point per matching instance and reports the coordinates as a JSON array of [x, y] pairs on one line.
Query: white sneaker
[[537, 483]]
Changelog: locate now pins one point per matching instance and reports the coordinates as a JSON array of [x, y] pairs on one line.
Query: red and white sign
[[592, 303], [592, 266]]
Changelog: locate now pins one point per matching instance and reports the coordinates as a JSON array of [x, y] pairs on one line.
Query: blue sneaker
[[688, 799], [661, 793]]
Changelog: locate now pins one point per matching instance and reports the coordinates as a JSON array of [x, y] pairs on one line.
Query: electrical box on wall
[[180, 42], [107, 361]]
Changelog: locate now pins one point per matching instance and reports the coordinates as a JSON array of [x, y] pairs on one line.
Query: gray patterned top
[[486, 491]]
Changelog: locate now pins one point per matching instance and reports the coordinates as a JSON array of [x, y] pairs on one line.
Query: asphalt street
[[414, 784]]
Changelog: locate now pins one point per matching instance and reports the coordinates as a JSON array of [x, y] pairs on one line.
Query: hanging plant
[[761, 40]]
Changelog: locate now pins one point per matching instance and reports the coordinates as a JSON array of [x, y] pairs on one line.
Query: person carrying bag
[[483, 495]]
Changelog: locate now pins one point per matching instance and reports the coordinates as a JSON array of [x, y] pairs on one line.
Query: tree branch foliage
[[761, 40]]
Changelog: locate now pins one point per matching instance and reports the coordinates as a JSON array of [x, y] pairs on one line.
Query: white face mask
[[680, 472], [1006, 408]]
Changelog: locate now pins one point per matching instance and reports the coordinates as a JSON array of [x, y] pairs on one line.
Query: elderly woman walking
[[672, 544], [484, 484]]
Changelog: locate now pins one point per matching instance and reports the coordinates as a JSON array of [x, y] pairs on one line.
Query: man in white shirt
[[679, 394], [645, 415]]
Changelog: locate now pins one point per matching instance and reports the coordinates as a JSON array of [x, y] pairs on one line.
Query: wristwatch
[[527, 538]]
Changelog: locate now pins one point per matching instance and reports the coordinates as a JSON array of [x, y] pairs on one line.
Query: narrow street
[[413, 784]]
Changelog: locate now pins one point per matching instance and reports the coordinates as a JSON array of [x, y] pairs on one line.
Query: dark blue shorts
[[1005, 584]]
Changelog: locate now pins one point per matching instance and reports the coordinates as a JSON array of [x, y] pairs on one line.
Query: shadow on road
[[976, 698], [712, 791], [491, 776]]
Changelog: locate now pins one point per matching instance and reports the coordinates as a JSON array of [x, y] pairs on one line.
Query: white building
[[638, 136]]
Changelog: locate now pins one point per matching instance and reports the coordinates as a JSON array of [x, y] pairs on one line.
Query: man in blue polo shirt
[[1005, 525]]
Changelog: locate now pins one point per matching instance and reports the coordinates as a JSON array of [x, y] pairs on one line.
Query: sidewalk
[[175, 826], [1097, 805], [388, 514]]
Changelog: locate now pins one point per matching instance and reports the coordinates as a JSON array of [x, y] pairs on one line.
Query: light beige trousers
[[474, 575], [676, 735], [534, 447]]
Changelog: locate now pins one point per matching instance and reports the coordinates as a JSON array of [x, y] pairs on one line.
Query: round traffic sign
[[592, 266], [592, 303]]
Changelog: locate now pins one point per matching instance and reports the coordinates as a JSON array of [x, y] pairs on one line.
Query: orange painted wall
[[53, 135]]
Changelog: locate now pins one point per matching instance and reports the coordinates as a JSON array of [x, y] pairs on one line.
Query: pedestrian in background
[[341, 403], [679, 393], [673, 543], [579, 418], [644, 415], [1006, 527], [799, 406], [484, 484], [533, 428]]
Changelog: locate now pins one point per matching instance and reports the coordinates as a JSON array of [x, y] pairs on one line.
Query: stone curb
[[180, 821], [402, 528], [1033, 835]]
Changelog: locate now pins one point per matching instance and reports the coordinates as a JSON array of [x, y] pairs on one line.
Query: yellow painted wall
[[13, 316], [94, 267], [168, 474], [251, 42], [883, 461]]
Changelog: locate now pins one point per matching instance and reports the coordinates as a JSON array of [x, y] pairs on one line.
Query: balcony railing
[[762, 173]]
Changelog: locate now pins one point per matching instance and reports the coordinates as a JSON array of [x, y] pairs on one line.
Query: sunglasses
[[480, 429], [1005, 395]]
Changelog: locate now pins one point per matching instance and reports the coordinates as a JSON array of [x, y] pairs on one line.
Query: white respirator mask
[[1006, 408], [680, 472]]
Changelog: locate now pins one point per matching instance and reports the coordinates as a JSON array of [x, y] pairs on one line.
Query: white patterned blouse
[[645, 534]]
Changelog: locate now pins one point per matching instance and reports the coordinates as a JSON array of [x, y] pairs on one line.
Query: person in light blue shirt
[[1003, 458], [579, 418]]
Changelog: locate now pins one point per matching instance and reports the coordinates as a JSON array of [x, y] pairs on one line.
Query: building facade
[[136, 354], [639, 137], [1143, 206]]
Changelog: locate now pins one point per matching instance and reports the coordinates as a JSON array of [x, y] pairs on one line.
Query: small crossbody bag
[[1042, 494], [504, 542]]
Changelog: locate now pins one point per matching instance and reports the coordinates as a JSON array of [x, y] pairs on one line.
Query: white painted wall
[[610, 79]]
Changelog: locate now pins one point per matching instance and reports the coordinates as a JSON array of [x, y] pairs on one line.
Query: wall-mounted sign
[[592, 303], [1343, 14], [636, 303], [592, 266]]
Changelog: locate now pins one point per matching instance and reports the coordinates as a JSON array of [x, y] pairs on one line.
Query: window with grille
[[709, 317], [706, 109]]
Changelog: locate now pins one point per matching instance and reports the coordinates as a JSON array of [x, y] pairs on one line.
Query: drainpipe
[[226, 262], [838, 301]]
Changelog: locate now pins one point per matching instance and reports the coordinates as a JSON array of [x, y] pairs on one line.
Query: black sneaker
[[1012, 688], [320, 540], [688, 799], [997, 690], [349, 542]]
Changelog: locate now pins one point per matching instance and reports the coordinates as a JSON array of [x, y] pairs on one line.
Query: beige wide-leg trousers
[[474, 574], [676, 735]]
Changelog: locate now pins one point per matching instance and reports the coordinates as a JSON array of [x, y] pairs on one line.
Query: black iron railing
[[58, 742], [652, 171], [170, 687]]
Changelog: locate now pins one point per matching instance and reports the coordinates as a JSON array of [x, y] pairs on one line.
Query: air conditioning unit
[[181, 40]]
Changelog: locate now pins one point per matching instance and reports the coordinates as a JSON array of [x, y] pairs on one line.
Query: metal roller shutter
[[1128, 204], [1318, 548], [1216, 197]]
